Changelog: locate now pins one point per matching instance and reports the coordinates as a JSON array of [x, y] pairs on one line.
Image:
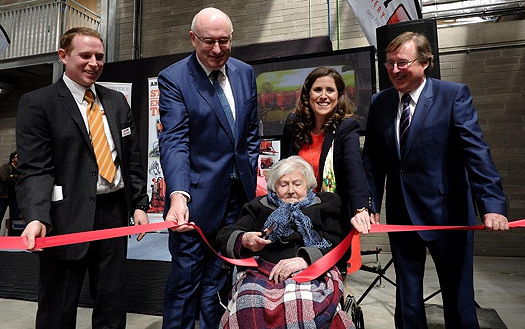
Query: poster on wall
[[269, 154], [156, 184], [123, 87]]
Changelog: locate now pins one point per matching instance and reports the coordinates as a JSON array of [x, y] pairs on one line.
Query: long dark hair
[[305, 119]]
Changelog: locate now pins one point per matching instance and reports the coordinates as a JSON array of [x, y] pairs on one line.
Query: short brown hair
[[423, 48], [67, 38]]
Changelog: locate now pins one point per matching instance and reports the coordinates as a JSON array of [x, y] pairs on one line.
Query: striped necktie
[[106, 166], [404, 122]]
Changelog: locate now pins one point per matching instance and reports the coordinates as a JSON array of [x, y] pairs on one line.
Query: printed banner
[[123, 87], [372, 14], [156, 184]]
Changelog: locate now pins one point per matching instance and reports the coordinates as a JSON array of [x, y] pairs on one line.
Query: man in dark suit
[[81, 169], [208, 150], [423, 136]]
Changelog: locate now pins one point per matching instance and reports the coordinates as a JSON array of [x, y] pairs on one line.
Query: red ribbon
[[353, 238], [313, 271], [18, 243]]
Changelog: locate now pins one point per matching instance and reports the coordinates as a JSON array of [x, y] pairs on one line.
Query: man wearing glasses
[[423, 137], [208, 150]]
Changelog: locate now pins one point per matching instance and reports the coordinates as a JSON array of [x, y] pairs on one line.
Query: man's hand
[[253, 241], [361, 222], [179, 212], [495, 222], [140, 218], [35, 229], [286, 267]]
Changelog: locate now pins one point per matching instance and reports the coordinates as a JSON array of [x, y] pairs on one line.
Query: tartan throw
[[256, 302]]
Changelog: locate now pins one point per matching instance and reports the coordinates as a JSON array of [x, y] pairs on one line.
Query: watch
[[357, 211]]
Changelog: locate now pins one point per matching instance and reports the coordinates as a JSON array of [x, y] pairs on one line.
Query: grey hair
[[289, 165], [210, 10]]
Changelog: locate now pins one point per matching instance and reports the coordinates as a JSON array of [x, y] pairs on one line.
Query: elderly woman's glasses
[[211, 42], [400, 64]]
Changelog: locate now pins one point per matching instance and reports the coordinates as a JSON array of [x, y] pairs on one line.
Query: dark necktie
[[404, 122], [224, 101]]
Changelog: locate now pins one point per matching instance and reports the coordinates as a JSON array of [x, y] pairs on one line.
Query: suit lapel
[[70, 106], [203, 86], [236, 85], [390, 120], [423, 105], [327, 143], [110, 108]]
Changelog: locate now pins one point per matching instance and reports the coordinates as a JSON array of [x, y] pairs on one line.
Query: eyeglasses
[[400, 64], [211, 42]]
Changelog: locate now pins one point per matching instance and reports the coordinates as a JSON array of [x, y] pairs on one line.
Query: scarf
[[286, 213]]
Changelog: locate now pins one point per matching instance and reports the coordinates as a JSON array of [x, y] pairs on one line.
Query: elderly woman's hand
[[286, 267], [253, 241], [361, 222]]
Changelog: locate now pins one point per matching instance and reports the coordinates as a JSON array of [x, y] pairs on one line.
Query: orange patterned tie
[[106, 166]]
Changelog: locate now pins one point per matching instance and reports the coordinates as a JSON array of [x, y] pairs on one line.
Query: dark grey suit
[[55, 150]]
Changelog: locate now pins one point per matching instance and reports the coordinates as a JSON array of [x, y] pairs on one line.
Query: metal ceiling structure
[[454, 12]]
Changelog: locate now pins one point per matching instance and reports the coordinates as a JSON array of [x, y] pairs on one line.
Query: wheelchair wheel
[[357, 318], [349, 304], [354, 311]]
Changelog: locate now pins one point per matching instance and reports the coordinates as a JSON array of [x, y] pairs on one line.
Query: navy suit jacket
[[198, 151], [54, 148], [446, 166]]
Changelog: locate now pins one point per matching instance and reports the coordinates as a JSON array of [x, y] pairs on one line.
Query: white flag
[[372, 14]]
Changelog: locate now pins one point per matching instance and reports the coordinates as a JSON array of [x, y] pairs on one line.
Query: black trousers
[[61, 280]]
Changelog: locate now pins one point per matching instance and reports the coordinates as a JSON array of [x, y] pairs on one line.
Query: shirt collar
[[76, 89], [208, 70], [414, 94]]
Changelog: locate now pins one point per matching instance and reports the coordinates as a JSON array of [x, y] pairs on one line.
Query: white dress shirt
[[78, 91]]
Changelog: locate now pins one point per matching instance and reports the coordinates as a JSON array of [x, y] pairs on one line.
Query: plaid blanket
[[256, 302]]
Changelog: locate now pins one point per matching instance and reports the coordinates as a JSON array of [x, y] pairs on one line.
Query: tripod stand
[[378, 269]]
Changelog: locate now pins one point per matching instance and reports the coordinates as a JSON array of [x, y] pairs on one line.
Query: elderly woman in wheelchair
[[287, 230]]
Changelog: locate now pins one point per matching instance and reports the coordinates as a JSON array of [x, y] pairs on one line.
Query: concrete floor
[[499, 284]]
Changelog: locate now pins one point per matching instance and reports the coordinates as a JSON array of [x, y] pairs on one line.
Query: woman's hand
[[286, 267], [361, 222], [253, 241]]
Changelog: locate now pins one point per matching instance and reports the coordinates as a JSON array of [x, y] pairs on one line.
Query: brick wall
[[497, 79], [166, 23]]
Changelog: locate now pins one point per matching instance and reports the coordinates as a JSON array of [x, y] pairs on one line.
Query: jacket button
[[403, 173], [94, 173], [92, 199]]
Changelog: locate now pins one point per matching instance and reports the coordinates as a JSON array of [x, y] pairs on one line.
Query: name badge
[[126, 132]]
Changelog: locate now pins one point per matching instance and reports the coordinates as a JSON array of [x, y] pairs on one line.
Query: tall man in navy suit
[[67, 187], [208, 150], [423, 137]]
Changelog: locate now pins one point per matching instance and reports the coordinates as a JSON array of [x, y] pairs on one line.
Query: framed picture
[[279, 83]]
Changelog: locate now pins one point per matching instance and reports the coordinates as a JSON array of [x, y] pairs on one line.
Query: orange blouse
[[312, 153]]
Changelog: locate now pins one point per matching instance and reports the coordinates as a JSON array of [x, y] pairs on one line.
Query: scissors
[[267, 231]]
